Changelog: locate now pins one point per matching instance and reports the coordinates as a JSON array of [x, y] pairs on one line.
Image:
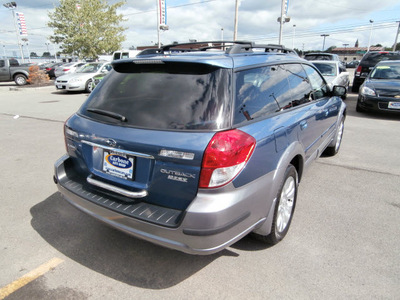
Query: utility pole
[[12, 6], [323, 44], [370, 34], [283, 19], [345, 51], [397, 34], [236, 20], [158, 25], [294, 34]]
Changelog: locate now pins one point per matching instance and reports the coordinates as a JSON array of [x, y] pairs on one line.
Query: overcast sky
[[345, 22]]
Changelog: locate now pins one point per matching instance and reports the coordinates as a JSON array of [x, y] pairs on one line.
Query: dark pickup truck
[[10, 70]]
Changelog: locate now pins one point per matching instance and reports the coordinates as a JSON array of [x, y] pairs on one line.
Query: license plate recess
[[118, 164]]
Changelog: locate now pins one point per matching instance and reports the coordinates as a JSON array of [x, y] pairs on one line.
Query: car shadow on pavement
[[67, 93], [110, 252]]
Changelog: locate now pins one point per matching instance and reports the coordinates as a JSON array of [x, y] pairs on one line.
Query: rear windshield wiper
[[108, 114]]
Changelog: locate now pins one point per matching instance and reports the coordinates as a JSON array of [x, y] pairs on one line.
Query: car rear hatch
[[141, 135]]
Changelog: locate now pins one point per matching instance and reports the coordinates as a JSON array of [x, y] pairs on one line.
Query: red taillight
[[65, 70], [48, 69], [358, 71], [225, 156]]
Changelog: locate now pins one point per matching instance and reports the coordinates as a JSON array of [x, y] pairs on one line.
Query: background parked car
[[10, 70], [381, 89], [97, 78], [352, 64], [67, 68], [81, 80], [333, 73], [368, 62], [49, 68]]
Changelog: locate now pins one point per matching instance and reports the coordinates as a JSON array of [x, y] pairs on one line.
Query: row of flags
[[21, 24]]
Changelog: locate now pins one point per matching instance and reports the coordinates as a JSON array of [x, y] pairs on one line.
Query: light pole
[[236, 20], [323, 44], [370, 34], [25, 40], [222, 34], [294, 34], [47, 45], [55, 52], [160, 10], [397, 34], [29, 53], [283, 19], [345, 50], [12, 6]]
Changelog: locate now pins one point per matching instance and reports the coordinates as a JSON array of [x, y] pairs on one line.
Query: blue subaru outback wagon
[[197, 145]]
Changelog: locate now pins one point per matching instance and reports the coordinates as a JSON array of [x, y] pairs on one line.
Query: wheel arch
[[20, 73], [293, 155]]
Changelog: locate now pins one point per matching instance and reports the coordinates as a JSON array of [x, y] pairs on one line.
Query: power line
[[169, 7]]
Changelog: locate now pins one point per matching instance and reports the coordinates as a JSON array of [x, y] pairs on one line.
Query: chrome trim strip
[[115, 189], [119, 150]]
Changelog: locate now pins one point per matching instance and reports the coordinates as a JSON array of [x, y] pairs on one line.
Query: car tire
[[20, 79], [284, 208], [333, 150], [359, 109], [88, 86]]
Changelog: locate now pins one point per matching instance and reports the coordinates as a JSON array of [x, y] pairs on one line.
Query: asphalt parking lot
[[343, 243]]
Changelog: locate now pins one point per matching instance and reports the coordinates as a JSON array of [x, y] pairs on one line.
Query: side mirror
[[338, 90]]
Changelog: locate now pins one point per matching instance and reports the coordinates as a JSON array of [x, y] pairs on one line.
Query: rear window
[[13, 63], [318, 57], [180, 96], [326, 68]]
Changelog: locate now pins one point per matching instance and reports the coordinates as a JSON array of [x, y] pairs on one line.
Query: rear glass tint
[[181, 96], [318, 57]]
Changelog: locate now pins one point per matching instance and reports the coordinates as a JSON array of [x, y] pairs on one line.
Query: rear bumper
[[212, 222]]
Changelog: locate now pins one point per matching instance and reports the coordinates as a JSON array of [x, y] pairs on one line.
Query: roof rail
[[267, 48], [230, 47], [201, 46]]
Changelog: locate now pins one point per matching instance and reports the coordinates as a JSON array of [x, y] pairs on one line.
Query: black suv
[[368, 62]]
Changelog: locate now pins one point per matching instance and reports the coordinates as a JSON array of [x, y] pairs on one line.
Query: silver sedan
[[81, 80]]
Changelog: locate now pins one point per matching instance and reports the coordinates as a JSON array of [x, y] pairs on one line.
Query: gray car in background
[[67, 68]]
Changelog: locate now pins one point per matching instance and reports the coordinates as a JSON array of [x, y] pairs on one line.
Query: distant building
[[353, 53]]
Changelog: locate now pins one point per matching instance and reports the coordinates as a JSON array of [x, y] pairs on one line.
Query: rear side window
[[181, 96], [261, 92], [13, 63]]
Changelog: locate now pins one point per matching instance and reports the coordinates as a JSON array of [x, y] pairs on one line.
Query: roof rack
[[230, 47]]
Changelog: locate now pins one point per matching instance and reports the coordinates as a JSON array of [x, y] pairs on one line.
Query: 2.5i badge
[[118, 165]]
